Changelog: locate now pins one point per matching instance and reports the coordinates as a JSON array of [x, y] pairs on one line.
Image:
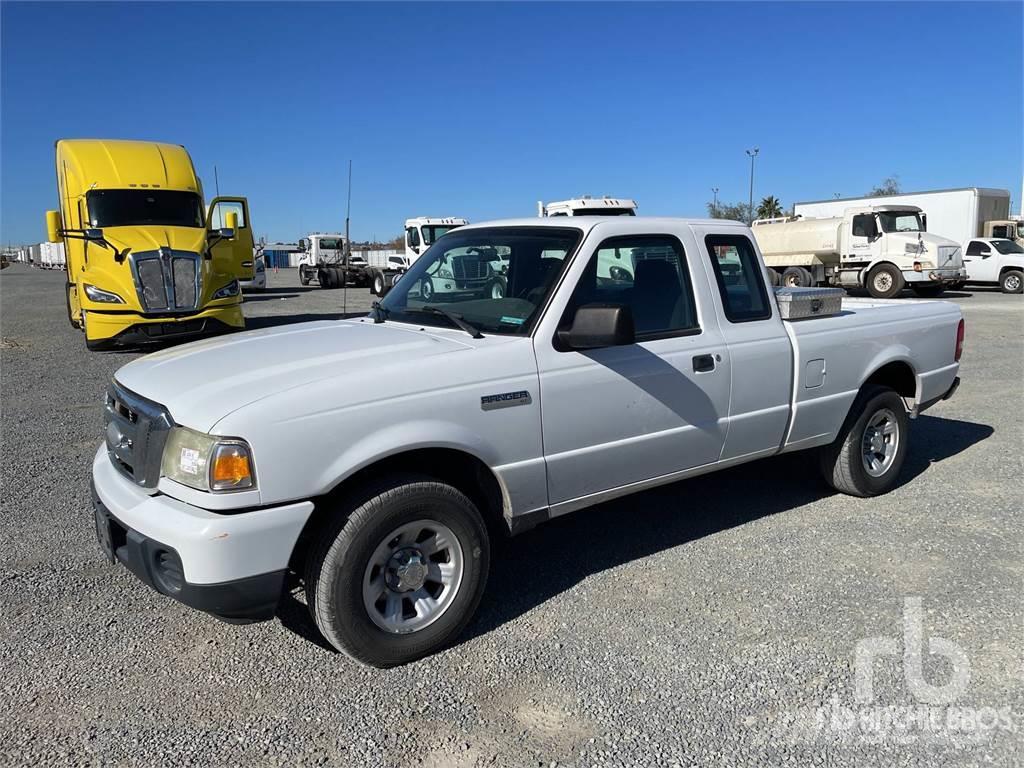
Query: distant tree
[[890, 186], [735, 212], [397, 243], [769, 208]]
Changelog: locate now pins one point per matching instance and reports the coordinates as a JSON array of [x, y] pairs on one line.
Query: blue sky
[[480, 110]]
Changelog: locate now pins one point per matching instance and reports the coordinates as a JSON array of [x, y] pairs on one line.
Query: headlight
[[231, 289], [445, 274], [99, 295], [207, 462]]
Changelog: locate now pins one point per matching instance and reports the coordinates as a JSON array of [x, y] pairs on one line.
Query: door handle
[[703, 363]]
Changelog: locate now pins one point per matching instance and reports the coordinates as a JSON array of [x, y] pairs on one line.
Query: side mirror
[[53, 234], [599, 325], [302, 244], [986, 253], [226, 233], [231, 220], [96, 235]]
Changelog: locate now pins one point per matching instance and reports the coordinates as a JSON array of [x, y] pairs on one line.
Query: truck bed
[[832, 354]]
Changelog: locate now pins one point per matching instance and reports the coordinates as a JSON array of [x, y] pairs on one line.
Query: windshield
[[604, 212], [331, 243], [900, 221], [140, 207], [431, 233], [495, 278], [1007, 246]]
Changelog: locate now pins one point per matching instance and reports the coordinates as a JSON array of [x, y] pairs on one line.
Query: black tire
[[496, 288], [794, 277], [928, 291], [773, 277], [1011, 281], [426, 289], [336, 568], [378, 283], [842, 463], [885, 282], [67, 303], [303, 276]]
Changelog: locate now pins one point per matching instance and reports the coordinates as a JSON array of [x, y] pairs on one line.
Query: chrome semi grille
[[167, 280], [950, 257], [136, 430], [470, 267]]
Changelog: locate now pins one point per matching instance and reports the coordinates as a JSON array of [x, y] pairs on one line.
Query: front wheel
[[885, 282], [378, 283], [1011, 281], [303, 276], [402, 574], [866, 457]]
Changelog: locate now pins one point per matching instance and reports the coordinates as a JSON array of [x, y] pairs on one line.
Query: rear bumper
[[230, 565], [944, 396]]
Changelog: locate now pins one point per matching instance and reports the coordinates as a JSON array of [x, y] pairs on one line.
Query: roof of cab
[[119, 164], [637, 223]]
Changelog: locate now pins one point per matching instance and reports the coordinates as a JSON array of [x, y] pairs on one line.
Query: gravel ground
[[710, 622]]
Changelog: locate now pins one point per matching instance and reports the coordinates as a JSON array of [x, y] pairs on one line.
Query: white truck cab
[[995, 261], [420, 233], [323, 259], [588, 206], [880, 248]]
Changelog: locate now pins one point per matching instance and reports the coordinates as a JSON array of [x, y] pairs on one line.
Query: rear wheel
[[795, 277], [402, 574], [1011, 281], [885, 281], [866, 457]]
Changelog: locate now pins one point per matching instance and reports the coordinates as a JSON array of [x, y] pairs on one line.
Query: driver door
[[235, 256]]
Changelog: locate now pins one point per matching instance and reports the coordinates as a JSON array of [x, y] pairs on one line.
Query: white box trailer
[[956, 214]]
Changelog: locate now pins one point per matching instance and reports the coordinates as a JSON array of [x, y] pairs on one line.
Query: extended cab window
[[646, 273], [740, 278], [976, 248]]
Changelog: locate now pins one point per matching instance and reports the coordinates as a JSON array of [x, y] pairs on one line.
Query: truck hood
[[941, 252], [202, 382], [153, 238]]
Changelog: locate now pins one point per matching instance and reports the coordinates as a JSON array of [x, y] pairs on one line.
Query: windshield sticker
[[513, 320]]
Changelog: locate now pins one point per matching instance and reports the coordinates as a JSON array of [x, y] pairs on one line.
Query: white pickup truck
[[371, 459]]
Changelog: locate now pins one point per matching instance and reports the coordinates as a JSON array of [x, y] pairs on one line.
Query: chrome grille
[[167, 280], [469, 268], [136, 430], [151, 284], [950, 256]]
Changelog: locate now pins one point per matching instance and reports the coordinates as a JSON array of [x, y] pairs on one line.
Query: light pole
[[714, 191], [750, 207]]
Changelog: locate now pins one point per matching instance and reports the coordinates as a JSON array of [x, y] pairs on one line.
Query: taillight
[[959, 341]]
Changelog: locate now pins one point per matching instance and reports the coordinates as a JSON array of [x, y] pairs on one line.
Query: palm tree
[[769, 208]]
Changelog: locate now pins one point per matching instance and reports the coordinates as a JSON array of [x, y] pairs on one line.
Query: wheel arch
[[456, 466], [897, 373]]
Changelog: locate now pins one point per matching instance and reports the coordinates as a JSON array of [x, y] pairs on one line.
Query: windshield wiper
[[380, 312], [455, 318]]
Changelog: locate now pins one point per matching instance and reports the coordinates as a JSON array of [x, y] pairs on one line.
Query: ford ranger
[[372, 459]]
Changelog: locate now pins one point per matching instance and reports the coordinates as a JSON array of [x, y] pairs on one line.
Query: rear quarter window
[[740, 278]]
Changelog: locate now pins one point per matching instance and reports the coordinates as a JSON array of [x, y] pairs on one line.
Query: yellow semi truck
[[146, 260]]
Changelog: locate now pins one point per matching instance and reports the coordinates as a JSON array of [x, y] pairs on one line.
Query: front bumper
[[131, 328], [934, 275], [230, 565]]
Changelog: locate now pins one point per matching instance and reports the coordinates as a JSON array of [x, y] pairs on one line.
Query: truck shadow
[[532, 568]]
